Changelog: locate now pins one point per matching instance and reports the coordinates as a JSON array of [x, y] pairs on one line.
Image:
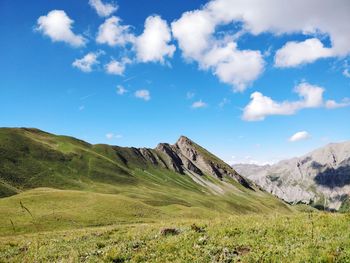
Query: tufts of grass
[[324, 237]]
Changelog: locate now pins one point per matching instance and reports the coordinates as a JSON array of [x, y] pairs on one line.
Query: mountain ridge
[[320, 177], [31, 158]]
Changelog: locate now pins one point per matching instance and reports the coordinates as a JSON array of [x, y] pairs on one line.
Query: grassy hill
[[64, 200], [57, 182]]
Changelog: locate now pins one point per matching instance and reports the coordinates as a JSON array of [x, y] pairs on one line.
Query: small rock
[[169, 231]]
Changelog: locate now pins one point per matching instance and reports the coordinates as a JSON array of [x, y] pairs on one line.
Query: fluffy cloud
[[262, 106], [299, 136], [121, 90], [233, 66], [58, 26], [199, 104], [103, 9], [197, 33], [111, 32], [86, 63], [194, 33], [297, 53], [143, 94], [115, 67], [153, 44]]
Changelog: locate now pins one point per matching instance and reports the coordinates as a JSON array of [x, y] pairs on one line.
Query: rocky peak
[[184, 140], [186, 156]]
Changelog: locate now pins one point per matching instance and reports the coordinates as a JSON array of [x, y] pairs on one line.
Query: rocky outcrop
[[321, 177], [185, 156]]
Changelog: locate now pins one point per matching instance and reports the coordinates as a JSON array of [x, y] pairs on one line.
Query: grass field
[[64, 200], [302, 237]]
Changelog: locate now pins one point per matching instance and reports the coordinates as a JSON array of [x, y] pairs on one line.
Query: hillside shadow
[[332, 177]]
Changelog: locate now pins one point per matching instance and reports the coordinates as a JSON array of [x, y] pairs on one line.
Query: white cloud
[[262, 106], [197, 33], [117, 67], [311, 96], [299, 136], [293, 53], [111, 32], [103, 9], [111, 136], [238, 68], [332, 104], [86, 63], [121, 90], [346, 73], [194, 33], [199, 104], [153, 44], [143, 94], [58, 26]]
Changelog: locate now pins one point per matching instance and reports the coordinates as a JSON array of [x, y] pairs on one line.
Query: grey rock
[[322, 176]]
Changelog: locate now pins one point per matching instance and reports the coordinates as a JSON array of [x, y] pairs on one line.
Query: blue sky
[[240, 78]]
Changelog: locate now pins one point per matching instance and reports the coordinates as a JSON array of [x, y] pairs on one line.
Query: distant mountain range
[[184, 174], [320, 178]]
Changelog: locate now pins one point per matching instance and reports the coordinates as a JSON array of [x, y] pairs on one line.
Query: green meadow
[[64, 200]]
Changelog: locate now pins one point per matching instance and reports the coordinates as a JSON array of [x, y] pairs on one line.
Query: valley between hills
[[65, 200]]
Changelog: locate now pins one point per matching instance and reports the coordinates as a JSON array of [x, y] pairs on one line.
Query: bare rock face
[[321, 177], [185, 156], [172, 160]]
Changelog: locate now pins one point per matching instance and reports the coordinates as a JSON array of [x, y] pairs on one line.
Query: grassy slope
[[101, 185], [312, 237]]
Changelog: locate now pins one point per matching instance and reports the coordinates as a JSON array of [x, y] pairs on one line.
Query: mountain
[[101, 184], [321, 178]]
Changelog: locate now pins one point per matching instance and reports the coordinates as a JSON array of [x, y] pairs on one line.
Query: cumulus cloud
[[194, 33], [311, 96], [112, 33], [293, 53], [86, 63], [153, 44], [232, 66], [115, 67], [121, 90], [299, 136], [199, 104], [103, 9], [197, 32], [143, 94], [58, 27]]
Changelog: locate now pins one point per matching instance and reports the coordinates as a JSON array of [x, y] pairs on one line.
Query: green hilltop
[[65, 182]]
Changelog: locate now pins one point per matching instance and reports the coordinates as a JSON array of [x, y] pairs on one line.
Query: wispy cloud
[[199, 104], [121, 90], [111, 136]]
